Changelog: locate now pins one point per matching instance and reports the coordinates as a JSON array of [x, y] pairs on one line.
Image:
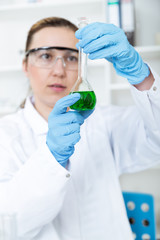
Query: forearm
[[146, 84], [147, 101], [142, 146]]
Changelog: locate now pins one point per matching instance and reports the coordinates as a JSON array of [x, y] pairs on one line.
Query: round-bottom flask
[[82, 86], [86, 102]]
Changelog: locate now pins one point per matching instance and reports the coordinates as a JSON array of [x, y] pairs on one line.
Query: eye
[[72, 59], [46, 56]]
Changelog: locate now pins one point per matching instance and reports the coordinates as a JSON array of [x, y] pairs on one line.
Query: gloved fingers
[[105, 41], [56, 121], [62, 144], [75, 117], [93, 44], [65, 130], [62, 154], [71, 128], [62, 104], [71, 140], [95, 30], [89, 37], [107, 53], [88, 28], [117, 51], [62, 147]]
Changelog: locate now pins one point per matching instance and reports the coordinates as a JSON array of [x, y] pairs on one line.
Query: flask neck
[[83, 21], [82, 65]]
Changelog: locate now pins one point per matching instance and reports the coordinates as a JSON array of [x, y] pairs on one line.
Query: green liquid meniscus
[[86, 102]]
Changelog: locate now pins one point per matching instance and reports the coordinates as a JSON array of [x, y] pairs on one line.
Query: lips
[[57, 87]]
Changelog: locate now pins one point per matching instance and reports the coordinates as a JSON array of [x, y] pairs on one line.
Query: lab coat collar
[[38, 124]]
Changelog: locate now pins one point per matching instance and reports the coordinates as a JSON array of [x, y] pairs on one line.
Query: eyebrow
[[48, 48]]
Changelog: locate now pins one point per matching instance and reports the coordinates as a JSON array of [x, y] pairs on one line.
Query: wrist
[[146, 84]]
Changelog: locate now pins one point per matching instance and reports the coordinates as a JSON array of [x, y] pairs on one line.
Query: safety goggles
[[46, 57]]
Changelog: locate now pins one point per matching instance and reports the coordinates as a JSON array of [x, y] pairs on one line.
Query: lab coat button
[[154, 88], [67, 175]]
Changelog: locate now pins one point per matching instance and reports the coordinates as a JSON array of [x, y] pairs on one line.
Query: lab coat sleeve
[[35, 192], [135, 132]]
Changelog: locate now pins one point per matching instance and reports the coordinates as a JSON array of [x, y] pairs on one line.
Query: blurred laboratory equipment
[[122, 14], [113, 13], [128, 19]]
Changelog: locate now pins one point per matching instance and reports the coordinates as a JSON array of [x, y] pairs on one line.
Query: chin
[[54, 99]]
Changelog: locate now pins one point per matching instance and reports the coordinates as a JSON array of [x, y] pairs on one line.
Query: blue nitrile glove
[[64, 128], [101, 40]]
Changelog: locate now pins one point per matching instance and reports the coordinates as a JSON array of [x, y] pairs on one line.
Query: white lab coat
[[84, 201]]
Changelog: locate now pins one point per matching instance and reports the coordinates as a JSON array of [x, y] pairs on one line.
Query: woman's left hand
[[101, 40]]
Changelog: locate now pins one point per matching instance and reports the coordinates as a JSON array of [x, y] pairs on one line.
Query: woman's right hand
[[64, 129]]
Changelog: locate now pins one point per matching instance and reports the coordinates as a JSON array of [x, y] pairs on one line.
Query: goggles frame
[[48, 48]]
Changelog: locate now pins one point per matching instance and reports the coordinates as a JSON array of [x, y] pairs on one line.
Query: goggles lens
[[46, 57]]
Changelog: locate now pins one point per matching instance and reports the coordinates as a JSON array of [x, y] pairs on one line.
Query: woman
[[54, 81], [59, 169]]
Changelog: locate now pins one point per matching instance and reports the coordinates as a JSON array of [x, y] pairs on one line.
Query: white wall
[[147, 15], [12, 40]]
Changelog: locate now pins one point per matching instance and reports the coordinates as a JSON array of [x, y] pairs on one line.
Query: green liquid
[[86, 102]]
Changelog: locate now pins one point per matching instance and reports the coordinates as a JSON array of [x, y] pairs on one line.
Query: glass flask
[[82, 86]]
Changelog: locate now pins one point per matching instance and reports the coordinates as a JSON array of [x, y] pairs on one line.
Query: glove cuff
[[136, 71], [140, 76]]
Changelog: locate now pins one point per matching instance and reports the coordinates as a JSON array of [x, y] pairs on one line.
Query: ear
[[25, 67]]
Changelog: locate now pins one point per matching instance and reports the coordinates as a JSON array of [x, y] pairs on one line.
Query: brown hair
[[48, 22]]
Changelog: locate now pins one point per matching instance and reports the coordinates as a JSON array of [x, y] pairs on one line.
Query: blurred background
[[140, 19]]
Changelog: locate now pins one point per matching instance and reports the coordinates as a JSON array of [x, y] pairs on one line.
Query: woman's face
[[50, 84]]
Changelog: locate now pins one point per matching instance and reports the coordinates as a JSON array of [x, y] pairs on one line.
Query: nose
[[59, 66], [62, 60]]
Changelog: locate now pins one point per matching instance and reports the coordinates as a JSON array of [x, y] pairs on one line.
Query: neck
[[43, 109]]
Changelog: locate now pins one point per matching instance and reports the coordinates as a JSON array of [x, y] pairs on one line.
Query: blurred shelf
[[157, 167], [66, 8], [119, 86], [153, 50], [26, 6]]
